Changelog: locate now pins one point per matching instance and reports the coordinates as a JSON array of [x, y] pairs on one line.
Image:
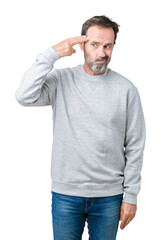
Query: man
[[98, 133]]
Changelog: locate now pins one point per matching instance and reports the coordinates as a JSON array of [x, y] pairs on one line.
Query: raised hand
[[65, 48]]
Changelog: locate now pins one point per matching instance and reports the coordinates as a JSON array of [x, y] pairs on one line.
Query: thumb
[[73, 50]]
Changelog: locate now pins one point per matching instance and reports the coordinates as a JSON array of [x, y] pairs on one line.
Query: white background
[[28, 28]]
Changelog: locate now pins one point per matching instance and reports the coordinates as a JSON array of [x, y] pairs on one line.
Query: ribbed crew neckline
[[92, 78]]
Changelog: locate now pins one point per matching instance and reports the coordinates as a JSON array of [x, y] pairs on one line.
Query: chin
[[99, 71]]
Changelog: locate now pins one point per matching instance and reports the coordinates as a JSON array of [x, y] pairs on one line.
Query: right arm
[[34, 88], [38, 85]]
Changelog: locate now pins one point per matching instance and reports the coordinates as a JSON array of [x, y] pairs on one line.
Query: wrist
[[130, 198], [57, 50]]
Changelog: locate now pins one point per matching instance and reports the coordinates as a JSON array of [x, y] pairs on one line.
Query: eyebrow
[[99, 43]]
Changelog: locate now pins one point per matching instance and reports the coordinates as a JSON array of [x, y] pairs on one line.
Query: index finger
[[79, 39]]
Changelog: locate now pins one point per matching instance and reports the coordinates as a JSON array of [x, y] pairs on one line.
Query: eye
[[108, 46], [94, 44]]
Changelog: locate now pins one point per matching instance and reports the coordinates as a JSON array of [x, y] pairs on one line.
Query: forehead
[[100, 34]]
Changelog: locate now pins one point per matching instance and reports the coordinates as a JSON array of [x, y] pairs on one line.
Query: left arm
[[134, 146]]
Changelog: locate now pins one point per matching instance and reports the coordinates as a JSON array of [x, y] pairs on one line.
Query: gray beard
[[95, 68]]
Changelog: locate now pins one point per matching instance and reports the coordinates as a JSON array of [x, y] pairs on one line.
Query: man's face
[[98, 50]]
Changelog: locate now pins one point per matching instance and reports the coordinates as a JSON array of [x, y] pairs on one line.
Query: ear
[[81, 46]]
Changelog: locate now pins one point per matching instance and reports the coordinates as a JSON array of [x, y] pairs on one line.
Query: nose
[[101, 52]]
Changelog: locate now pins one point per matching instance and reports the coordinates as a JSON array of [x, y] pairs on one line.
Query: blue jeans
[[69, 214]]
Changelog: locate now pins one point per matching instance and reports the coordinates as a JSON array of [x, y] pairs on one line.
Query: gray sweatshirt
[[98, 128]]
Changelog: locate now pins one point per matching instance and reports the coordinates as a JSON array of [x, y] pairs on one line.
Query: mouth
[[101, 61]]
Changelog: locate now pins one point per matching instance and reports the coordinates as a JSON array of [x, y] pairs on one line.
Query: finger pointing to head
[[80, 39]]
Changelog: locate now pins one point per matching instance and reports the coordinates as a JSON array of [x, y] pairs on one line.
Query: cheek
[[108, 53], [91, 53]]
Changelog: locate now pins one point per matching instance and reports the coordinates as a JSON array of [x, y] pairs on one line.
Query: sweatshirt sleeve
[[134, 147], [38, 83]]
